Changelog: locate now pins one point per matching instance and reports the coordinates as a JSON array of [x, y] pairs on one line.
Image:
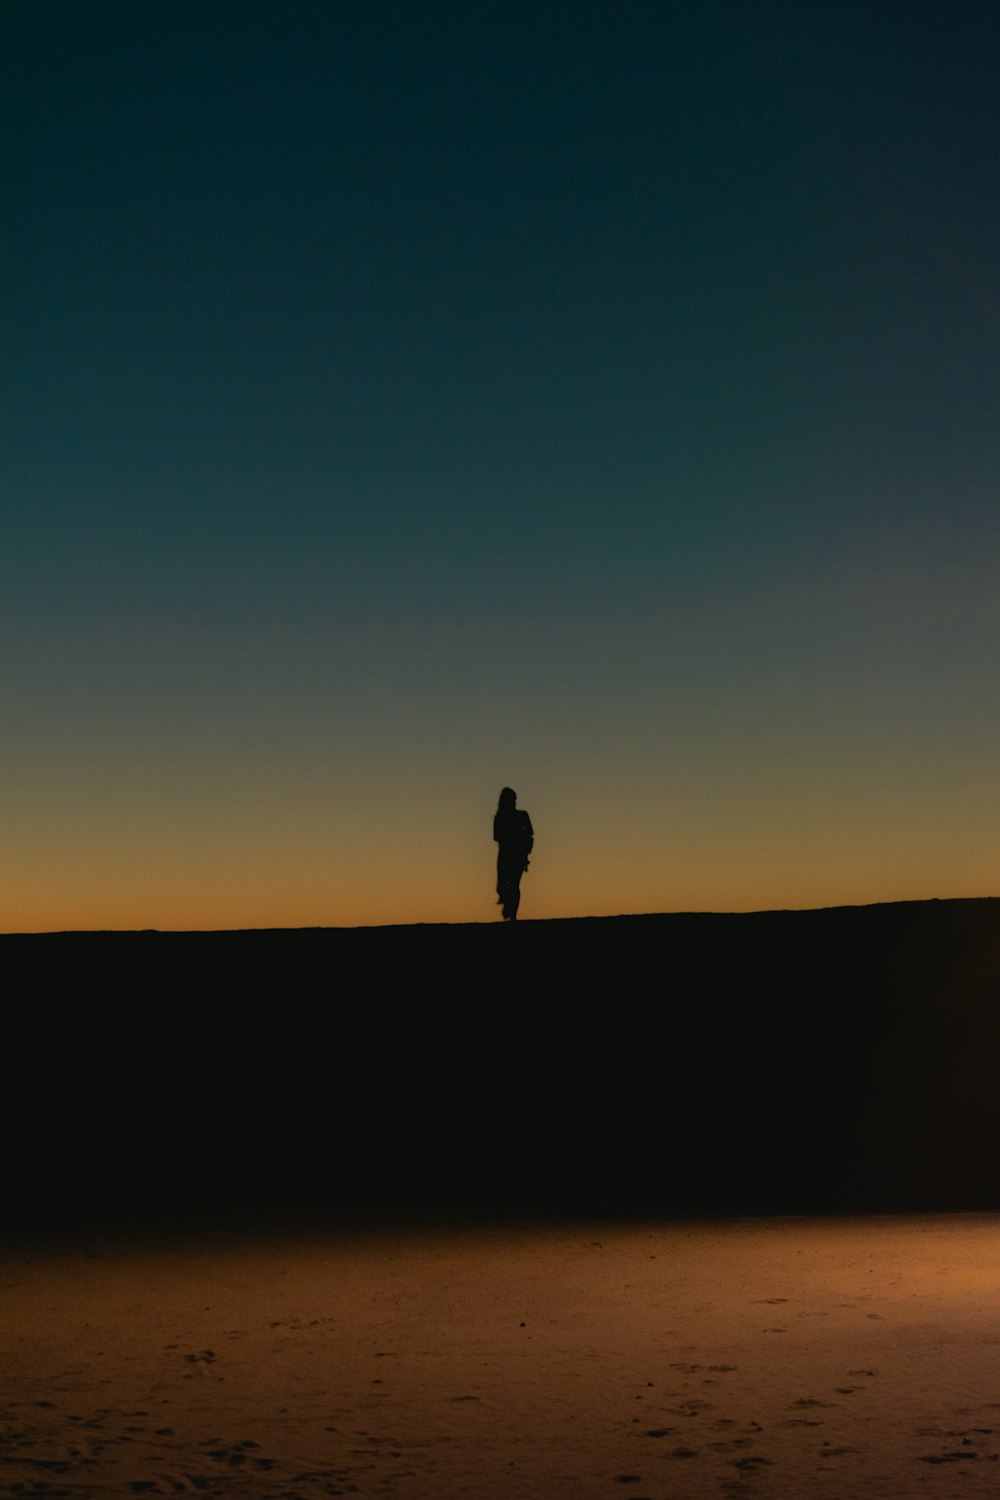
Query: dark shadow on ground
[[830, 1061]]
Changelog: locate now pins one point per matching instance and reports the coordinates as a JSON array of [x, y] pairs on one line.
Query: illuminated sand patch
[[769, 1358]]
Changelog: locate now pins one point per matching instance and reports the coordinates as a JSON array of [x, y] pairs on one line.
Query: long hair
[[505, 806]]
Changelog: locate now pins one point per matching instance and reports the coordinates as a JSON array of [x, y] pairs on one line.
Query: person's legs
[[508, 888]]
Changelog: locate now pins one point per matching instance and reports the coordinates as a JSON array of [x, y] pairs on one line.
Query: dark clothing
[[515, 836]]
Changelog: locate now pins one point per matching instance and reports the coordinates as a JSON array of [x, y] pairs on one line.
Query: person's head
[[508, 798]]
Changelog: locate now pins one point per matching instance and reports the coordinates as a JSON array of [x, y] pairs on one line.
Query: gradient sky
[[404, 400]]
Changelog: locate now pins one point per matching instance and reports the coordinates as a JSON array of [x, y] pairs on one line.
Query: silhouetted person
[[514, 834]]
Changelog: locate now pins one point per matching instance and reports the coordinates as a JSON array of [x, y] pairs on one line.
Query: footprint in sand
[[689, 1369], [236, 1455], [955, 1456]]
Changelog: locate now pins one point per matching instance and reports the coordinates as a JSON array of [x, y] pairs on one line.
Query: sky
[[401, 401]]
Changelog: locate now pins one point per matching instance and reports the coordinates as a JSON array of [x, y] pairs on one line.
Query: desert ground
[[785, 1357], [658, 1207], [697, 1064]]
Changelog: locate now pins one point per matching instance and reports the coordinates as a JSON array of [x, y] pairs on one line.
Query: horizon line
[[528, 921]]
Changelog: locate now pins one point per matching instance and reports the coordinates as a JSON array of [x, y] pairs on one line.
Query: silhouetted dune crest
[[841, 1058]]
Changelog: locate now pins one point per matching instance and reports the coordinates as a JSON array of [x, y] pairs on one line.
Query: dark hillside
[[773, 1062]]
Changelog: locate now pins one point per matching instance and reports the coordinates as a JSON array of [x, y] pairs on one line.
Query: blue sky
[[403, 401]]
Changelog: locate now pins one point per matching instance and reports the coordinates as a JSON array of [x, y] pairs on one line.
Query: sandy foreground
[[760, 1357]]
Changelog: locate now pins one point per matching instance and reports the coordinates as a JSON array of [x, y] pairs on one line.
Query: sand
[[837, 1358], [689, 1065]]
